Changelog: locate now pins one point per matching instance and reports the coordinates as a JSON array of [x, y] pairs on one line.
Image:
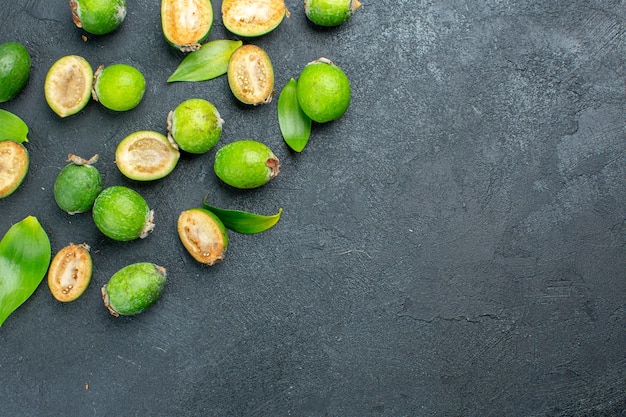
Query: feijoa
[[186, 23], [323, 91], [146, 155], [121, 213], [14, 69], [330, 12], [98, 17], [77, 185], [252, 18], [70, 272], [134, 288], [118, 87], [246, 164], [195, 125], [14, 163], [251, 75], [203, 235], [67, 87]]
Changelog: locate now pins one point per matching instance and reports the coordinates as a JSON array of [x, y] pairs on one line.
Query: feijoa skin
[[330, 12], [14, 163], [70, 272], [323, 91], [195, 126], [77, 185], [98, 17], [118, 87], [14, 70], [186, 23], [134, 288], [252, 18], [203, 235], [122, 214], [246, 164], [251, 75], [146, 155], [67, 86]]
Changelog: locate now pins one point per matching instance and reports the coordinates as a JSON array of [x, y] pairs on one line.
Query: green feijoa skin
[[77, 185], [243, 221], [14, 164], [195, 125], [251, 75], [25, 254], [12, 127], [246, 164], [251, 18], [118, 87], [134, 288], [146, 155], [98, 17], [67, 86], [206, 63], [70, 272], [186, 23], [330, 12], [122, 214], [295, 125], [203, 235], [323, 91], [14, 70]]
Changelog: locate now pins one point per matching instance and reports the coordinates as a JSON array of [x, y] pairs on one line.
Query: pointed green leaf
[[12, 127], [295, 126], [210, 61], [243, 221]]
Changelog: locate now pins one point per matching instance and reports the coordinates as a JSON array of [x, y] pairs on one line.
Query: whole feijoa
[[98, 17], [134, 288], [77, 185], [246, 164], [14, 69], [186, 23], [118, 87], [330, 12], [195, 125], [122, 214], [323, 91], [67, 87]]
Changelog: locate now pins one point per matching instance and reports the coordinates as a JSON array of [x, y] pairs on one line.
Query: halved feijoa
[[330, 12], [186, 23], [70, 272], [122, 214], [67, 87], [195, 125], [252, 18], [134, 288], [246, 164], [251, 75], [146, 155], [14, 162], [203, 235], [98, 17], [77, 185], [118, 87], [14, 69]]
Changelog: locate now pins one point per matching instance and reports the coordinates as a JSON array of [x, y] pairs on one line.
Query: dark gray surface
[[455, 245]]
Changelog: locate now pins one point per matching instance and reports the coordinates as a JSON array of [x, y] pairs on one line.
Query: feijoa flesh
[[330, 12], [186, 23], [146, 155], [121, 213], [251, 18], [77, 185], [246, 164], [98, 17], [70, 272], [195, 125], [14, 163], [323, 91], [14, 70], [134, 288], [203, 235], [67, 86], [118, 87], [251, 75]]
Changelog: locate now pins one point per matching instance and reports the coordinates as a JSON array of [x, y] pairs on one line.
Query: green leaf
[[24, 259], [244, 221], [295, 126], [210, 61], [12, 127]]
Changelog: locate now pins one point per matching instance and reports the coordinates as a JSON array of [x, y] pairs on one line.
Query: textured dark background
[[455, 245]]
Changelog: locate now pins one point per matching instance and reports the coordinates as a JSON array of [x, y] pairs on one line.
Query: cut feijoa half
[[70, 272], [67, 86], [146, 155], [186, 23], [203, 235], [251, 18], [251, 75], [14, 162]]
